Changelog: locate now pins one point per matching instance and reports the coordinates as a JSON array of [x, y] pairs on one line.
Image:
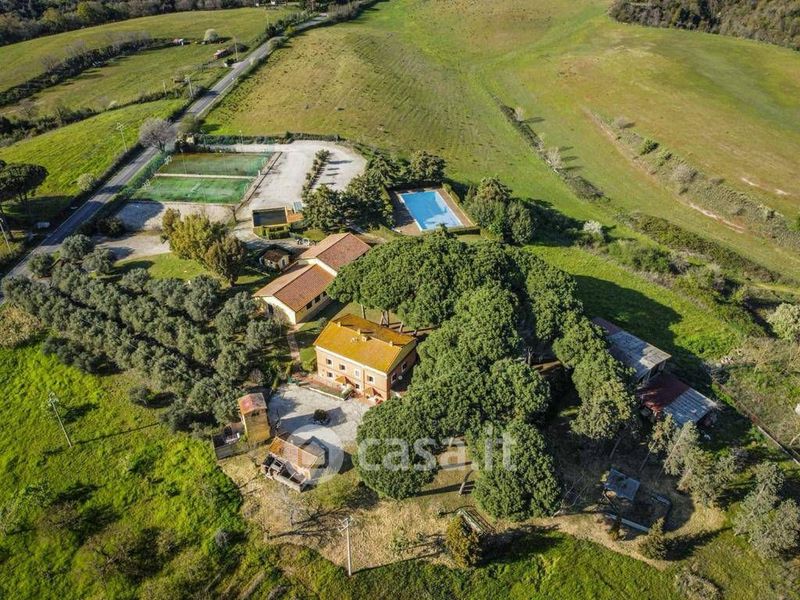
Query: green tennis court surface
[[215, 163], [209, 190]]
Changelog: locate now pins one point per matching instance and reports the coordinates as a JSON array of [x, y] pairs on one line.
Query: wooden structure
[[294, 462]]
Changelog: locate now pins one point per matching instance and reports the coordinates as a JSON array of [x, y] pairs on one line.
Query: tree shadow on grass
[[73, 413], [134, 264], [684, 546], [645, 318]]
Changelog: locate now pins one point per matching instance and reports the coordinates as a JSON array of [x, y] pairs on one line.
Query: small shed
[[228, 441], [276, 258], [255, 418], [645, 359], [293, 461], [621, 485], [668, 395]]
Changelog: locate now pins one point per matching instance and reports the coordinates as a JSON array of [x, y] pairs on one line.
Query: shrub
[[17, 327], [785, 321], [462, 543], [640, 257], [654, 545], [694, 587], [111, 227], [100, 260], [76, 247], [140, 395], [648, 146], [210, 36], [682, 176], [86, 182], [41, 265]]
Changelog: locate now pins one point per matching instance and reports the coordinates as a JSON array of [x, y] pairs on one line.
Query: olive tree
[[155, 133]]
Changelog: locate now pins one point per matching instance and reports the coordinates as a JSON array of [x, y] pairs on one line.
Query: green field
[[206, 190], [24, 60], [125, 79], [217, 163], [89, 146], [413, 74], [125, 472], [674, 323]]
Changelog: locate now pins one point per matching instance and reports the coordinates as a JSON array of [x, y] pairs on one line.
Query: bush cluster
[[490, 305], [174, 332]]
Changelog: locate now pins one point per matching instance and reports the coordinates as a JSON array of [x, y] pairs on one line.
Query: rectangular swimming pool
[[429, 209]]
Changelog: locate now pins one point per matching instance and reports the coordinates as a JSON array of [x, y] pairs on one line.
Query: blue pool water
[[429, 210]]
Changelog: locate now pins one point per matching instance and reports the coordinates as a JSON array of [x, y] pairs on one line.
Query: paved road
[[126, 171]]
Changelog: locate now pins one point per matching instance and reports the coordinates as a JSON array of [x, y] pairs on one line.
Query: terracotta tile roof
[[251, 402], [364, 342], [297, 287], [337, 250]]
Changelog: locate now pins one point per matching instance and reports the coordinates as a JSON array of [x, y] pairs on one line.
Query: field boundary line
[[199, 176]]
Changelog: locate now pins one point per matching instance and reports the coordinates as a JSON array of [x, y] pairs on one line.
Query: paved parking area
[[291, 408], [283, 185]]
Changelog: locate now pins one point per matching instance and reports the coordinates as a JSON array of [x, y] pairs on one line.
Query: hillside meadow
[[127, 78], [126, 474], [89, 146], [24, 60], [410, 74]]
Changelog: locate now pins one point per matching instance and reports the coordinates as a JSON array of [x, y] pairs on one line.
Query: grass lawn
[[206, 190], [168, 265], [666, 319], [24, 60], [541, 566], [90, 146], [406, 79], [215, 163], [125, 472], [125, 79]]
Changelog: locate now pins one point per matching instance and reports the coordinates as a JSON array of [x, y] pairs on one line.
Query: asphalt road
[[126, 171]]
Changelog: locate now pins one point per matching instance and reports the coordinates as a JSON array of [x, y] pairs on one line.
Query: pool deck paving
[[404, 221]]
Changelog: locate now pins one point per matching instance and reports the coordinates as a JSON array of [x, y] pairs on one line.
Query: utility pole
[[52, 402], [345, 526], [121, 128], [191, 89], [236, 48], [3, 231]]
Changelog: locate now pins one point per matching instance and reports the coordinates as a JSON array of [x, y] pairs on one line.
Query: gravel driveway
[[292, 407]]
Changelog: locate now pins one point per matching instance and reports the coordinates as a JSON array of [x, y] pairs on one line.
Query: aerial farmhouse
[[300, 292], [370, 359]]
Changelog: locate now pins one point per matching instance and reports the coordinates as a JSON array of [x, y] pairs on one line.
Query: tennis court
[[216, 163], [208, 190]]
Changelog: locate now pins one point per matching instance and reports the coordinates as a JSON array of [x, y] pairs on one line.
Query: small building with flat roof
[[645, 359], [668, 395], [274, 222]]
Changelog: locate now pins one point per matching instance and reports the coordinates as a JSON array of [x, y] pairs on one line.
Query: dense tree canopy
[[491, 306]]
